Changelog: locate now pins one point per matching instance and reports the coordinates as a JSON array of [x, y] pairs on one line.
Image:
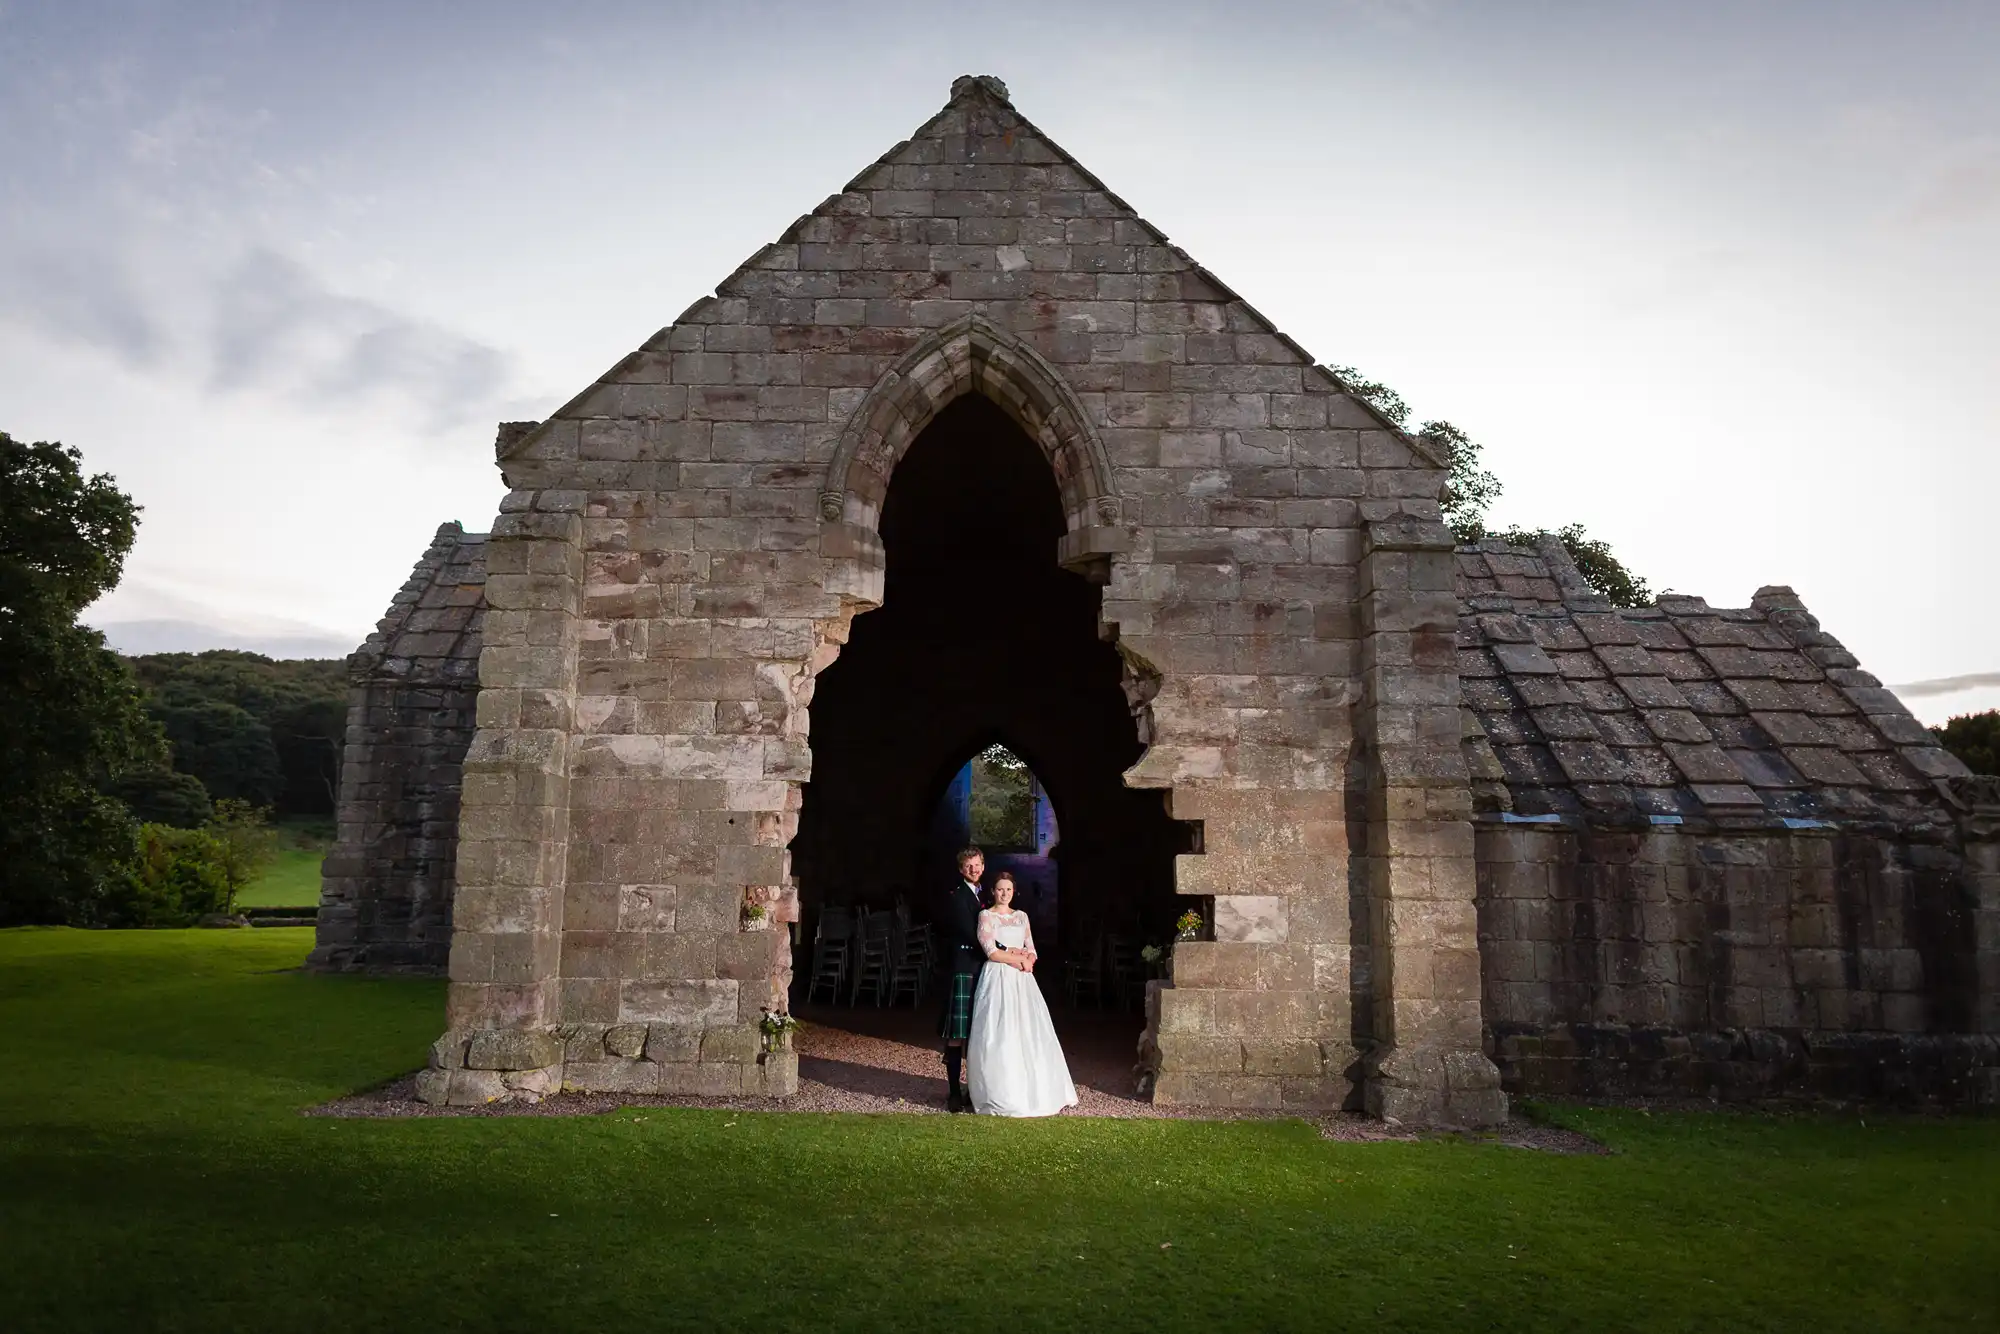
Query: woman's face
[[1003, 893]]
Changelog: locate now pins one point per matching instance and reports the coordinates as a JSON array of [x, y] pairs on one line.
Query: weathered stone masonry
[[686, 544], [387, 896], [1715, 857]]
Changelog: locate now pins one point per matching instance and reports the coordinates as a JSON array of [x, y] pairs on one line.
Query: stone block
[[512, 1050], [625, 1040], [1315, 1092], [719, 1080], [613, 1076], [679, 1002], [1252, 918], [1269, 1056], [434, 1086], [775, 1075], [1263, 1014], [1217, 1090], [733, 1043], [474, 1088], [1184, 1010], [1186, 1052], [581, 1042], [673, 1044], [751, 955], [1215, 964], [448, 1052]]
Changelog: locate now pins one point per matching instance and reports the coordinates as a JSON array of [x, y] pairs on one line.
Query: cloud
[[275, 327], [143, 617], [1949, 685], [278, 327], [83, 299], [1962, 191], [134, 638]]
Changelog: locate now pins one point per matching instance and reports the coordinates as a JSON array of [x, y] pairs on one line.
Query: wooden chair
[[829, 968], [912, 972], [872, 973]]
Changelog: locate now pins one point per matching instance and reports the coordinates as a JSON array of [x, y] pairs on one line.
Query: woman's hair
[[1008, 876]]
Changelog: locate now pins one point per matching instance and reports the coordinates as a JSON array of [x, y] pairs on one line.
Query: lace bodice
[[1007, 931]]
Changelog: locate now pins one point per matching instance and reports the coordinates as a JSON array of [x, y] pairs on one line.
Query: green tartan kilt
[[955, 1021]]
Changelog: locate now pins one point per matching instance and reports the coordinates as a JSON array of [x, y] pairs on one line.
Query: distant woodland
[[253, 728]]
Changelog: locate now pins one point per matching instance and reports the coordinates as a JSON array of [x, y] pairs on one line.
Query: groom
[[958, 930]]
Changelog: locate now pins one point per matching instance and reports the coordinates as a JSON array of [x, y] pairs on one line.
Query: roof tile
[[1523, 660], [1825, 766], [1655, 692], [1793, 729], [1678, 725], [1703, 763]]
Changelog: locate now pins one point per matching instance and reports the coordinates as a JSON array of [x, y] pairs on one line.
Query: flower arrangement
[[753, 914], [777, 1028], [1189, 925]]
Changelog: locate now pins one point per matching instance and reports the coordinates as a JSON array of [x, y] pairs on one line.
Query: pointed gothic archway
[[971, 356], [980, 635]]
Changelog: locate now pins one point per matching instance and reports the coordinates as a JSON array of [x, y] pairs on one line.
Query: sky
[[1720, 281]]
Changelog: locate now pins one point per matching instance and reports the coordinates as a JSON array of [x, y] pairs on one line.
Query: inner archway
[[981, 639]]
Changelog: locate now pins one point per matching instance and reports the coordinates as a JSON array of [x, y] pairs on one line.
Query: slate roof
[[1678, 712], [430, 635]]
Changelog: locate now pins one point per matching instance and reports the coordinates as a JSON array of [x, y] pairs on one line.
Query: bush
[[179, 877]]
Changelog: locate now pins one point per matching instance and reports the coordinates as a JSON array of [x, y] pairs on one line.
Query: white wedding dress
[[1013, 1064]]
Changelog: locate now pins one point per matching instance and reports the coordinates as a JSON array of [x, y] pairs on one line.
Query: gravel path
[[862, 1060]]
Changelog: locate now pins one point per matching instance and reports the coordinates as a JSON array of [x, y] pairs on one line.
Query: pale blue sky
[[1721, 281]]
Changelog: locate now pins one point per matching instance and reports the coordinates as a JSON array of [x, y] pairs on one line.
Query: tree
[[162, 796], [248, 726], [1974, 738], [74, 718], [221, 744], [1594, 561], [244, 844], [1471, 490], [1002, 800]]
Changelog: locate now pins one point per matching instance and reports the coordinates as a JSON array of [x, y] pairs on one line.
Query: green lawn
[[154, 1175], [292, 879]]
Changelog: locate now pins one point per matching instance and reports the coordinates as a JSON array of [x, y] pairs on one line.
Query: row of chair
[[1113, 972], [877, 954], [882, 956]]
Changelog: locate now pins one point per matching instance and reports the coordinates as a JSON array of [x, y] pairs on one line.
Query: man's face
[[972, 868]]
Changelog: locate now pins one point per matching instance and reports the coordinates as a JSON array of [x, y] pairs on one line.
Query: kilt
[[955, 1020]]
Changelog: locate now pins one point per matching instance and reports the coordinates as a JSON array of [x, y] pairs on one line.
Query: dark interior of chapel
[[981, 639]]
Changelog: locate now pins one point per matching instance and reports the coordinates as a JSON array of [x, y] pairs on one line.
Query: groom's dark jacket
[[958, 928]]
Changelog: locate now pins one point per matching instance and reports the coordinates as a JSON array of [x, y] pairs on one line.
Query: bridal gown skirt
[[1013, 1064]]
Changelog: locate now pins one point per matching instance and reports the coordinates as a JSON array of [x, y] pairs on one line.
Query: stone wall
[[1737, 965], [387, 887], [685, 546]]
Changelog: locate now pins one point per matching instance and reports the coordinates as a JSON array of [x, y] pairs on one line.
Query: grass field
[[292, 879], [154, 1174]]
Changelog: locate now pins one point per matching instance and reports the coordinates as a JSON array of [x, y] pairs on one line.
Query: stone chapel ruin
[[972, 453]]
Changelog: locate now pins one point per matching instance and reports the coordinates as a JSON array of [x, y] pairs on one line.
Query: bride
[[1014, 1065]]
